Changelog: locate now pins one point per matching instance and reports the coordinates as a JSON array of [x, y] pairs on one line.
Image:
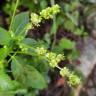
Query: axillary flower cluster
[[47, 13], [53, 60]]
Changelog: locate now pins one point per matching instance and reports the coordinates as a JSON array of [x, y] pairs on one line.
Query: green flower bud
[[20, 46], [64, 72], [41, 51], [53, 63], [56, 9], [29, 26], [49, 12], [11, 33], [24, 49], [20, 38], [73, 79], [54, 59], [46, 13], [51, 55], [59, 57], [35, 19]]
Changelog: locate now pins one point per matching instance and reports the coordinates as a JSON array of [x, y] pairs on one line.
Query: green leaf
[[66, 44], [30, 94], [4, 37], [69, 25], [26, 74], [32, 5], [6, 84], [78, 32], [6, 93], [58, 49], [30, 42], [74, 55], [33, 43], [3, 53], [20, 21], [43, 4]]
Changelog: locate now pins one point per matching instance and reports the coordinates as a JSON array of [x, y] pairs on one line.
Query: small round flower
[[73, 79], [64, 72], [24, 49], [56, 9], [49, 12], [5, 47], [41, 51], [35, 19], [46, 13], [53, 63], [59, 57], [51, 55], [11, 33]]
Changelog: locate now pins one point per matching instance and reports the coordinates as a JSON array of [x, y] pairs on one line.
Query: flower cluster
[[35, 19], [41, 51], [47, 13], [73, 79], [53, 60], [64, 72], [23, 48], [50, 12]]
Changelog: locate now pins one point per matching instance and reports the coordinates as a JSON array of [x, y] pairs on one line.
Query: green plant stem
[[11, 57], [59, 67], [54, 19], [17, 2]]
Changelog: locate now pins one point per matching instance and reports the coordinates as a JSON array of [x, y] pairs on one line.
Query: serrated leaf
[[20, 21], [4, 37], [6, 84], [66, 44], [27, 74]]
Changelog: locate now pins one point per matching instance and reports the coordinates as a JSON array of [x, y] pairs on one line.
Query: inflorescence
[[53, 60], [47, 13]]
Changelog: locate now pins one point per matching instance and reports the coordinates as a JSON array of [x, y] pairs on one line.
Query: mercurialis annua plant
[[24, 63]]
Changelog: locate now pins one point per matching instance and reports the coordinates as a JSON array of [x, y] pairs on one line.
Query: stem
[[11, 56], [58, 67], [54, 19], [17, 2]]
